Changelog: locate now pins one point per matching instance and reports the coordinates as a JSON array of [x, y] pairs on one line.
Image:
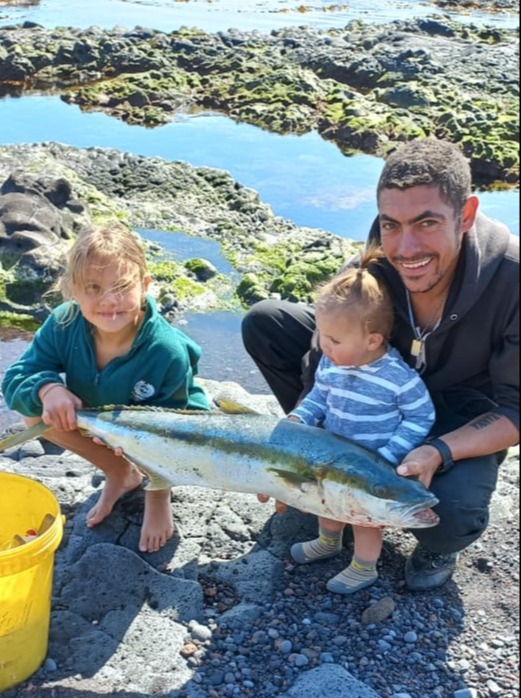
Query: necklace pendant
[[416, 347]]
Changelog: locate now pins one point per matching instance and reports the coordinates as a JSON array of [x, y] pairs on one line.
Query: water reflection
[[181, 247], [220, 15], [12, 345], [303, 178], [224, 357]]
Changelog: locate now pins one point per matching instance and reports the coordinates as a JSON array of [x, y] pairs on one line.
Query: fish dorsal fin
[[141, 408], [226, 406], [231, 406], [20, 437]]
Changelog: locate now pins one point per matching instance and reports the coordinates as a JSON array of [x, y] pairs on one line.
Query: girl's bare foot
[[158, 526], [115, 487]]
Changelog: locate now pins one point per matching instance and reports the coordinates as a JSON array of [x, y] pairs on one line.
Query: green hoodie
[[158, 370]]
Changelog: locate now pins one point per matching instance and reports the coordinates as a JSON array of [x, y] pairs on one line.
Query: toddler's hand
[[59, 406], [118, 451], [280, 507]]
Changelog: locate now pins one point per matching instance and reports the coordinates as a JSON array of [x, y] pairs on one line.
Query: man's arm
[[489, 433]]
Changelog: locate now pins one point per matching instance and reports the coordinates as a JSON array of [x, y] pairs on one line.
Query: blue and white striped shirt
[[383, 405]]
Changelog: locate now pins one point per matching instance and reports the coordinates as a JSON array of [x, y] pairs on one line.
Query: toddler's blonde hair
[[357, 292], [113, 245]]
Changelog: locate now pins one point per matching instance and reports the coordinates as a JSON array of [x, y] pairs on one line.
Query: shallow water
[[303, 178], [220, 15]]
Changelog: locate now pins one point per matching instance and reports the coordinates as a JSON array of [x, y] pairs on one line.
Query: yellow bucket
[[25, 575]]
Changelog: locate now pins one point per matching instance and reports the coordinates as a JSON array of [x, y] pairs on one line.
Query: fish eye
[[379, 491]]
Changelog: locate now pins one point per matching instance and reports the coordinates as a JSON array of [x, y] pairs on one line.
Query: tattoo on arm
[[485, 420]]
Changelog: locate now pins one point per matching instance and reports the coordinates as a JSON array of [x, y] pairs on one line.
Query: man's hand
[[422, 463], [280, 507]]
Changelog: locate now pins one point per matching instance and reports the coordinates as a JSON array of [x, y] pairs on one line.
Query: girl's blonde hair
[[114, 246], [357, 292]]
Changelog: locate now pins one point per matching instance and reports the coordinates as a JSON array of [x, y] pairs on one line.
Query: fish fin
[[292, 478], [157, 483], [142, 408], [21, 437], [230, 406]]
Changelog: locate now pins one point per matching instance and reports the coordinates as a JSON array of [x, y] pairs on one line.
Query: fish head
[[379, 497]]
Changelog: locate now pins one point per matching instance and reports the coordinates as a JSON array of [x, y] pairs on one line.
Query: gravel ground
[[461, 640]]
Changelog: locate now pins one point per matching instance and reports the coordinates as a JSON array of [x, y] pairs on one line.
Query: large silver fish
[[305, 467]]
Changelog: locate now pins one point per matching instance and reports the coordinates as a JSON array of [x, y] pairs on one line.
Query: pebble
[[493, 688], [379, 611], [199, 632], [301, 660], [50, 665], [326, 658], [286, 646], [466, 693]]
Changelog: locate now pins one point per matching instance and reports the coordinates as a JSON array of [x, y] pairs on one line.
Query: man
[[453, 277]]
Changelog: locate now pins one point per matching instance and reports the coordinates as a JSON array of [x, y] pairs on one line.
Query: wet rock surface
[[499, 6], [222, 611], [366, 87]]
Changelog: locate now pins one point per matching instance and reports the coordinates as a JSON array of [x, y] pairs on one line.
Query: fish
[[305, 467]]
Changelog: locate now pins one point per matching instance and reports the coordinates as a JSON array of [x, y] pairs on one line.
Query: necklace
[[418, 343]]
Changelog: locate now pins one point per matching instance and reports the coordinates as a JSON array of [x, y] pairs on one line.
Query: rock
[[379, 611], [329, 681]]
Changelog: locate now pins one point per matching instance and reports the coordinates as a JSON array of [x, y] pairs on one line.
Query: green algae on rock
[[274, 257], [366, 87]]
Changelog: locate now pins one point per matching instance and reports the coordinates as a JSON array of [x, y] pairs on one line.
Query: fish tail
[[21, 437]]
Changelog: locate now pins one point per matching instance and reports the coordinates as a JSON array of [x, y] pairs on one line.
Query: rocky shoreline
[[222, 611], [49, 190], [365, 87]]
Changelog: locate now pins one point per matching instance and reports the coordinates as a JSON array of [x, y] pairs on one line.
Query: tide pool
[[304, 178], [220, 15]]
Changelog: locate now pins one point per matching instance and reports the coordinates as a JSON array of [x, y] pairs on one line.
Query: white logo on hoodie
[[142, 390]]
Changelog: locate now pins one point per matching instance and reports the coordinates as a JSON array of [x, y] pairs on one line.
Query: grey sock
[[358, 575], [328, 544]]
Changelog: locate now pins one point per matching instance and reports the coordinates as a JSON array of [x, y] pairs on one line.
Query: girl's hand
[[422, 462], [59, 406]]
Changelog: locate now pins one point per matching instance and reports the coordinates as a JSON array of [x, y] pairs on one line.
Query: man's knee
[[456, 531], [259, 322]]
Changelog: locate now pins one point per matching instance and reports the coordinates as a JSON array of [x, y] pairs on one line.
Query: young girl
[[365, 391], [107, 344]]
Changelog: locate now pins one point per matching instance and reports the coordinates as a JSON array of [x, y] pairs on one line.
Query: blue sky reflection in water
[[303, 178], [181, 247], [220, 15]]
